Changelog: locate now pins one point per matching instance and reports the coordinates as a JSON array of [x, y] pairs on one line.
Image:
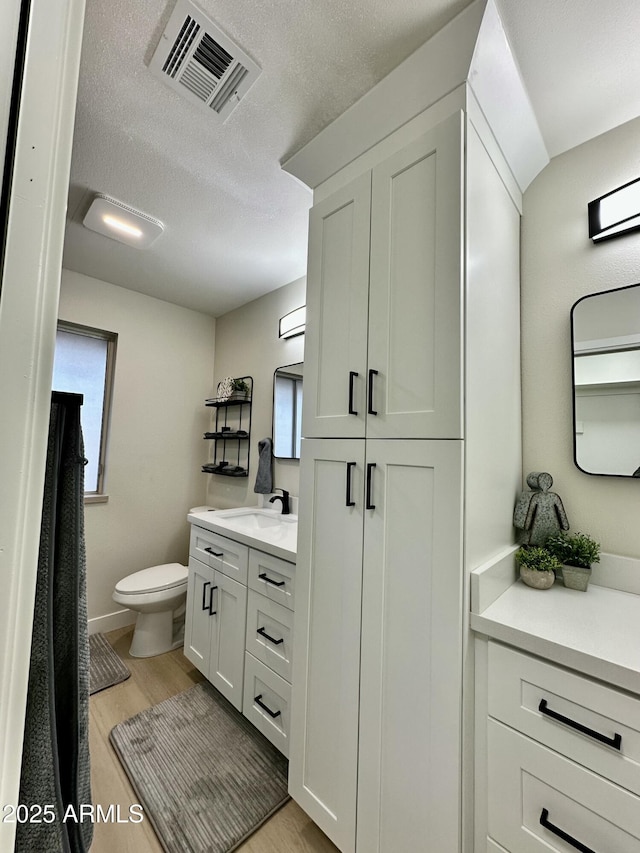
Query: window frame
[[111, 338]]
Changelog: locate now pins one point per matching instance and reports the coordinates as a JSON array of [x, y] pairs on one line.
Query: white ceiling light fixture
[[120, 222], [200, 62]]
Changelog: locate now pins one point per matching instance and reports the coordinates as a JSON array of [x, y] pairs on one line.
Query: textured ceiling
[[235, 223]]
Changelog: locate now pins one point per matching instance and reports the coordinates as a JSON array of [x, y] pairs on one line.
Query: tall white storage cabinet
[[380, 533], [411, 453]]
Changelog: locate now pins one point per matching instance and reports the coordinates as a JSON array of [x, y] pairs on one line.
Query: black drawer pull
[[204, 594], [215, 554], [370, 467], [271, 713], [212, 612], [352, 376], [265, 577], [544, 821], [349, 501], [273, 640], [615, 741], [370, 408]]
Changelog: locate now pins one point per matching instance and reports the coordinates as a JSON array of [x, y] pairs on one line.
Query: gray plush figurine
[[539, 513]]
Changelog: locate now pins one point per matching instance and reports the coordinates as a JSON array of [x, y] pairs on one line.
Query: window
[[84, 364]]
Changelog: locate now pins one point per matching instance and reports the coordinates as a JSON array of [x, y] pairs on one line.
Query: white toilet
[[158, 594]]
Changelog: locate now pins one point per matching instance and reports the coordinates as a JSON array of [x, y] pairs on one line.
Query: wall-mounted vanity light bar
[[293, 323], [615, 213]]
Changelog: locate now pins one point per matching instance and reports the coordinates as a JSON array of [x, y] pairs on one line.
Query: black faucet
[[284, 497]]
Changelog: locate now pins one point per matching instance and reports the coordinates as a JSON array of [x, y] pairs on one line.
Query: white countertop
[[596, 632], [280, 541]]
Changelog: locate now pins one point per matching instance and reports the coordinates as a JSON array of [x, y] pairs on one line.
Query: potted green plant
[[240, 389], [577, 552], [537, 566]]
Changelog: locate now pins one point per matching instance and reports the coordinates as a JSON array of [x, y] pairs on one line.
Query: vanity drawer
[[229, 557], [530, 694], [529, 783], [270, 633], [267, 702], [272, 577]]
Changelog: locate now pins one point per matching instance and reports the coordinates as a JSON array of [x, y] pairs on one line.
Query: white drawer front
[[270, 633], [272, 577], [229, 557], [267, 702], [528, 782], [519, 683]]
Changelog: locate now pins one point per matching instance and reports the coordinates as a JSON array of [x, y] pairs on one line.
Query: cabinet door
[[326, 657], [197, 629], [415, 289], [226, 668], [411, 666], [337, 296]]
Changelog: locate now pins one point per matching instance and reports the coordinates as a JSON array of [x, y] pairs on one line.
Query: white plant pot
[[535, 579]]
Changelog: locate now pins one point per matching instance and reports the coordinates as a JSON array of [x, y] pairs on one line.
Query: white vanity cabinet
[[383, 297], [563, 759], [269, 647], [216, 610], [239, 627]]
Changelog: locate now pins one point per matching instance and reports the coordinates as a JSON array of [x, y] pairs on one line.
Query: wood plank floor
[[152, 680]]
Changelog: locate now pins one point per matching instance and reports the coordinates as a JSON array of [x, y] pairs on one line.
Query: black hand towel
[[264, 478]]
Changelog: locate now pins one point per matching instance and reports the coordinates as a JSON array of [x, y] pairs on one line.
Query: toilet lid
[[153, 579]]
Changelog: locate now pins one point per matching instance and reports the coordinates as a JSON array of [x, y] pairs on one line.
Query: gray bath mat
[[106, 668], [205, 776]]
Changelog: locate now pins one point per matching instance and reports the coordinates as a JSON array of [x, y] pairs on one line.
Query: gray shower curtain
[[55, 756]]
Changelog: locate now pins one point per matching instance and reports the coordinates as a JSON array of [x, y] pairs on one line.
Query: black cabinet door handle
[[265, 577], [273, 640], [211, 611], [370, 467], [352, 376], [258, 701], [215, 554], [544, 821], [615, 741], [204, 594], [349, 501], [370, 408]]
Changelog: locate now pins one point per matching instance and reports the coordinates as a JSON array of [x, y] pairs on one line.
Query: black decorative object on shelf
[[232, 429]]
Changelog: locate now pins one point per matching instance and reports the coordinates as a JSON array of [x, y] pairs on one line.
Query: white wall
[[247, 343], [163, 374], [559, 265]]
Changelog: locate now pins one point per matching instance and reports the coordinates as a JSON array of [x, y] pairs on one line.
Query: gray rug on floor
[[205, 776], [106, 668]]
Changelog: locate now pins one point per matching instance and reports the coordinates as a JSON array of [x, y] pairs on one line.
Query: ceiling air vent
[[198, 60]]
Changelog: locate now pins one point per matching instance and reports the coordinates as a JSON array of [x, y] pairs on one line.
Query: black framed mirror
[[287, 411], [605, 335]]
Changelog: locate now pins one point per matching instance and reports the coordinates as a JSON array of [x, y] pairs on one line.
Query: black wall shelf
[[231, 433]]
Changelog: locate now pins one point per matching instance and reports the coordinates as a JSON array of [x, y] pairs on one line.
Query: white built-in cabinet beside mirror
[[557, 716]]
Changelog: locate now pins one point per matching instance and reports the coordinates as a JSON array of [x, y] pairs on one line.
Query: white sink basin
[[255, 519]]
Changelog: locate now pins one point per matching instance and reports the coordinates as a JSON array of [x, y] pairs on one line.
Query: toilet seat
[[153, 579]]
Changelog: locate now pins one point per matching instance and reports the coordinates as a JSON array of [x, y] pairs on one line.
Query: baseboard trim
[[111, 621]]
